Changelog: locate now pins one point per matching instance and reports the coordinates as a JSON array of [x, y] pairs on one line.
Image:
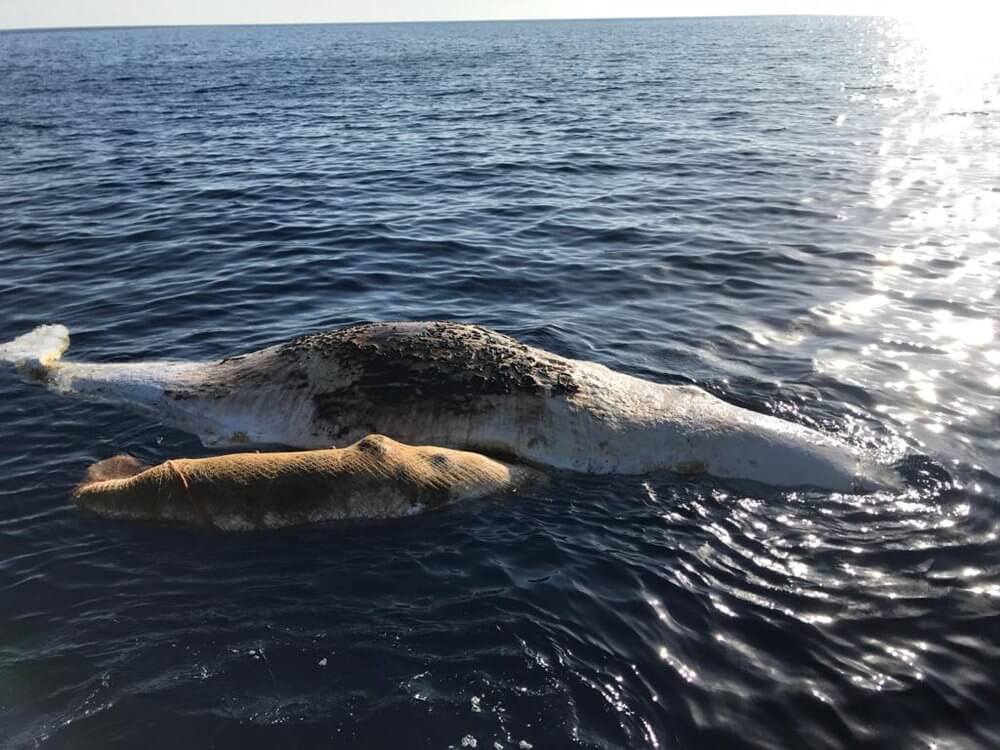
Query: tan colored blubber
[[376, 477]]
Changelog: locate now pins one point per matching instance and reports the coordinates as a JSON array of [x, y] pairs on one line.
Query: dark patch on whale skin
[[436, 360], [440, 367], [368, 377]]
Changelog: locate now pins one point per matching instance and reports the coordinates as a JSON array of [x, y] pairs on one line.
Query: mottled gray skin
[[439, 381]]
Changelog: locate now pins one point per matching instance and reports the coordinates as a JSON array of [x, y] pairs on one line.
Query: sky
[[62, 13]]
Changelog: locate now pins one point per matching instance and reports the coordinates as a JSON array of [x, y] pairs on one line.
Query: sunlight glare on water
[[930, 350], [797, 214]]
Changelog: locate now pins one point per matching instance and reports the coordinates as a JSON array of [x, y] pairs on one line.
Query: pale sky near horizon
[[66, 13]]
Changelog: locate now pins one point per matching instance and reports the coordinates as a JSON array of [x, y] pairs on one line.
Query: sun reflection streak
[[957, 47], [929, 318], [684, 670]]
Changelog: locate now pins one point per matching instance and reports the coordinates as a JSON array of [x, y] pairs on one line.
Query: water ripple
[[799, 215]]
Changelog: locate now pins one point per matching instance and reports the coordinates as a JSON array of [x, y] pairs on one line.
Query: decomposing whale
[[375, 478], [457, 386]]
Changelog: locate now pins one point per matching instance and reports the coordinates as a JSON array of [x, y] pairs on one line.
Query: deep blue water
[[802, 215]]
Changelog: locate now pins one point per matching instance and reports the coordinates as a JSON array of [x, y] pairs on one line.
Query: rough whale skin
[[376, 478], [458, 386]]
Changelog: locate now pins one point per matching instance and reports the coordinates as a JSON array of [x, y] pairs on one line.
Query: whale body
[[459, 386], [375, 478]]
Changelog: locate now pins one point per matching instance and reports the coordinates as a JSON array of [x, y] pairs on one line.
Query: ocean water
[[801, 215]]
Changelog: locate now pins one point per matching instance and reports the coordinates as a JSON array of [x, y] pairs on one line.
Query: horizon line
[[100, 27]]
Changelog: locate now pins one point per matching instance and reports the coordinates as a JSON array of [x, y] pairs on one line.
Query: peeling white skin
[[609, 423]]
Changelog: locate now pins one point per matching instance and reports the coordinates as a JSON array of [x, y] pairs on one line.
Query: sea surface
[[801, 215]]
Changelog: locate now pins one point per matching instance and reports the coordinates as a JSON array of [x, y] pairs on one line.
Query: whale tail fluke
[[38, 350]]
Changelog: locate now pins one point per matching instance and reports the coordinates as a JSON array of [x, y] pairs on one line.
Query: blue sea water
[[800, 214]]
